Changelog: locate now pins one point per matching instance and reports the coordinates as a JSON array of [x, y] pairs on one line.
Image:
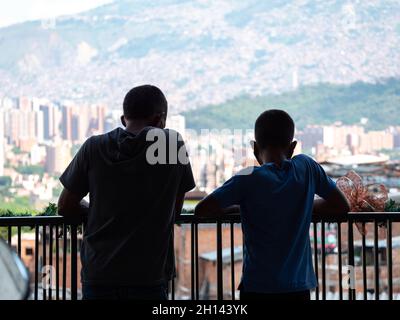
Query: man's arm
[[180, 198], [209, 207], [335, 204], [72, 206]]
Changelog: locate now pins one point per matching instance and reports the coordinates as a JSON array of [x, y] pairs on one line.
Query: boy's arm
[[333, 201], [225, 200], [334, 204], [209, 207]]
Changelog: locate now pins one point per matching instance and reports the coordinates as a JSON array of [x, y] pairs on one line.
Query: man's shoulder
[[157, 132], [94, 140]]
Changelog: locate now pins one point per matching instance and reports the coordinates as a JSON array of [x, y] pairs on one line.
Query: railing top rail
[[232, 218], [31, 220]]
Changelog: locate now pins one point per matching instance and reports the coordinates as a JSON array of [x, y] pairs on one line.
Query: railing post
[[233, 289], [36, 292], [352, 291], [220, 287], [390, 258], [74, 262], [316, 266], [339, 238], [192, 262], [323, 260], [376, 260]]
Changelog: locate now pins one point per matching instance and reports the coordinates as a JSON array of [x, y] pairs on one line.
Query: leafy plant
[[392, 206]]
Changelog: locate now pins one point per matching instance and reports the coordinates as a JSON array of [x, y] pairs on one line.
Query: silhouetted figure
[[135, 191], [276, 203]]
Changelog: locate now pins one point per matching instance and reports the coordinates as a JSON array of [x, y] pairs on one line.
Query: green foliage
[[392, 206], [319, 104], [4, 213], [50, 211], [18, 205]]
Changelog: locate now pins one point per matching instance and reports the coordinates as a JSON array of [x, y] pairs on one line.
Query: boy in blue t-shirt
[[276, 203]]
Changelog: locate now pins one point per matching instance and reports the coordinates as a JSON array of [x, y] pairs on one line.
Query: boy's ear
[[123, 121], [291, 148], [256, 152]]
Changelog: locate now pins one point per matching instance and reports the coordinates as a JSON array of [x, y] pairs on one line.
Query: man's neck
[[136, 126]]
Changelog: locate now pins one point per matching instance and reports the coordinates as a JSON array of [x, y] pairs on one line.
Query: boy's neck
[[271, 157]]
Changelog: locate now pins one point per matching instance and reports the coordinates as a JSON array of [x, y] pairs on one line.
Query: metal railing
[[56, 244]]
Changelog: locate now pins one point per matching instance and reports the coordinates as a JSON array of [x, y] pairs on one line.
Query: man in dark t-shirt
[[136, 179]]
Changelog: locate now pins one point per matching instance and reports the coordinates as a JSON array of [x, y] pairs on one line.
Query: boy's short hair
[[274, 128], [144, 101]]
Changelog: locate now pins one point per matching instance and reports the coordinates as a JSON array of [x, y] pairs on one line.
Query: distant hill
[[320, 104], [201, 52]]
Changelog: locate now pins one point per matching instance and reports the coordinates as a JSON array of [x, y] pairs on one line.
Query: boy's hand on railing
[[232, 210], [335, 204]]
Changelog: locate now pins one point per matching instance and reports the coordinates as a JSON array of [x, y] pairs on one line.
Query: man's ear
[[158, 121], [123, 121], [291, 148]]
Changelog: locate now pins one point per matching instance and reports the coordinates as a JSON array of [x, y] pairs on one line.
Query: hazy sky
[[14, 11]]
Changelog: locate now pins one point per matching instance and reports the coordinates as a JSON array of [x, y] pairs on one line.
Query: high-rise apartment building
[[58, 156], [2, 140], [66, 122]]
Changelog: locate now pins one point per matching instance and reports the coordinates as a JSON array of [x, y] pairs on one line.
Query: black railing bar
[[390, 259], [233, 289], [57, 263], [9, 235], [74, 262], [364, 264], [64, 265], [323, 260], [376, 260], [36, 262], [339, 226], [316, 266], [44, 262], [172, 281], [51, 261], [19, 240], [173, 288], [192, 265], [220, 286], [196, 259], [350, 244]]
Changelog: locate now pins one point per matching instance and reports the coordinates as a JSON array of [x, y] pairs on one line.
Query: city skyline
[[39, 137]]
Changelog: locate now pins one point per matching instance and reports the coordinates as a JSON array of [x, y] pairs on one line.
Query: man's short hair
[[274, 128], [144, 101]]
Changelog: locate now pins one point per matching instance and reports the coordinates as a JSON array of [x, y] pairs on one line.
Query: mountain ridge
[[200, 52], [321, 104]]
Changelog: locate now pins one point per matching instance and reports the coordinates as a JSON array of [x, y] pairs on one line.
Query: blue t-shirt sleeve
[[230, 193], [324, 185]]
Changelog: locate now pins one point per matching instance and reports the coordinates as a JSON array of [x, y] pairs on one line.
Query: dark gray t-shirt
[[128, 239]]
